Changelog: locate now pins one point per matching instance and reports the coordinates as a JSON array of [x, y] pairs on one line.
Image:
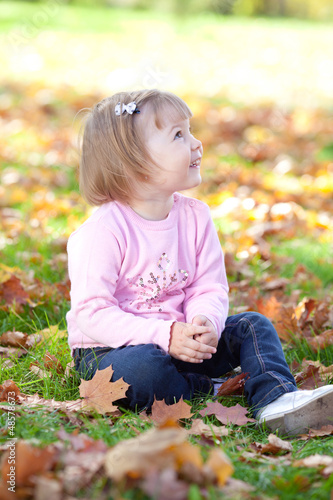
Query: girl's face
[[176, 151]]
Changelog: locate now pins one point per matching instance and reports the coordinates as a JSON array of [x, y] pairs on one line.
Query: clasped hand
[[193, 342]]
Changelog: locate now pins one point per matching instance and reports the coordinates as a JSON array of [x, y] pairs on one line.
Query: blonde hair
[[114, 156]]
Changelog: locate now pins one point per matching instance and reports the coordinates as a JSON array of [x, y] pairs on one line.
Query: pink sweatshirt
[[132, 278]]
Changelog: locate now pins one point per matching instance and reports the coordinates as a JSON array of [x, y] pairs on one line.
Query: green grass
[[42, 426], [316, 256]]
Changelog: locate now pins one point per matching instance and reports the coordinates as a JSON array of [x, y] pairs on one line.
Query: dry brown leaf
[[220, 464], [200, 428], [12, 292], [13, 339], [321, 315], [50, 362], [51, 332], [11, 352], [303, 310], [326, 430], [321, 341], [39, 372], [283, 318], [309, 378], [315, 460], [99, 393], [165, 485], [19, 339], [273, 284], [232, 415], [9, 391], [162, 448], [161, 412], [275, 445], [236, 488], [34, 401], [233, 385], [29, 462], [138, 456], [47, 487], [324, 371]]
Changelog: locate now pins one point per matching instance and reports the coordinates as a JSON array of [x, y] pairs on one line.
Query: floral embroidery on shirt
[[151, 293]]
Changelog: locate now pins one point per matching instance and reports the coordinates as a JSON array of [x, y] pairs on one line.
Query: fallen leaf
[[200, 428], [161, 412], [19, 339], [326, 430], [11, 352], [220, 464], [275, 445], [165, 485], [49, 362], [315, 460], [39, 372], [162, 448], [283, 318], [303, 310], [12, 292], [13, 339], [309, 378], [138, 456], [233, 385], [99, 393], [321, 341], [9, 391], [52, 331], [29, 462], [232, 415], [49, 488]]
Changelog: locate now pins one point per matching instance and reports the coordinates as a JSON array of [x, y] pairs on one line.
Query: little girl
[[149, 290]]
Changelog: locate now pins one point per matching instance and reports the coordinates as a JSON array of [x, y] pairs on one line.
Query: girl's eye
[[178, 134]]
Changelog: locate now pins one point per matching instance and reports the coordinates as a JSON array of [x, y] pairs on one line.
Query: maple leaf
[[161, 412], [99, 393], [233, 385], [232, 415]]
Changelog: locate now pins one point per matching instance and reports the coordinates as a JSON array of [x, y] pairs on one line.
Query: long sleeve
[[95, 260], [132, 278], [208, 292]]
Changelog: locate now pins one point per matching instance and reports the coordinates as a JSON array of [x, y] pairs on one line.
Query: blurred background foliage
[[303, 9]]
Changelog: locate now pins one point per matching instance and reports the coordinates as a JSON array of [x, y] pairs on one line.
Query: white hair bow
[[130, 108]]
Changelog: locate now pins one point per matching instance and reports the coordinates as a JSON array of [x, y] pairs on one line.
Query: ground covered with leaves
[[268, 178]]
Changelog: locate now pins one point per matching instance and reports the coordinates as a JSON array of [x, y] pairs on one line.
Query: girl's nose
[[196, 144]]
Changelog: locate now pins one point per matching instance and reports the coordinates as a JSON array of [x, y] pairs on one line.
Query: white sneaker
[[297, 412]]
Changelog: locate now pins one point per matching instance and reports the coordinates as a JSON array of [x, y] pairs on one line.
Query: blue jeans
[[249, 340]]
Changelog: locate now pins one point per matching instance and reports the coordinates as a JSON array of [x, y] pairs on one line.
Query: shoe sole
[[312, 415]]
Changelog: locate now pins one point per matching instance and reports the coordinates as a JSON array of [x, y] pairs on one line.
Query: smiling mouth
[[196, 163]]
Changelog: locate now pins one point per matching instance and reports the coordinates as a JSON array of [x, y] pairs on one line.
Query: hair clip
[[130, 108]]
